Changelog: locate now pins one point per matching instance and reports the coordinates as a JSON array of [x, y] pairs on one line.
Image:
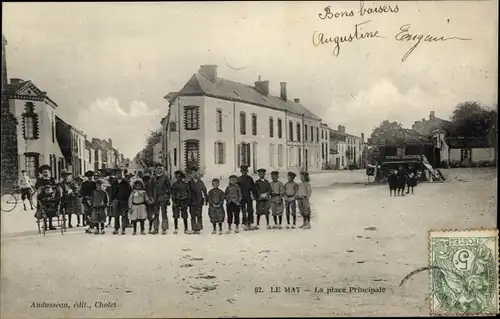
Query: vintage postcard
[[249, 159]]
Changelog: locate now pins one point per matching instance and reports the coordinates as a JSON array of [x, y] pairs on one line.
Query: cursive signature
[[405, 35], [320, 38]]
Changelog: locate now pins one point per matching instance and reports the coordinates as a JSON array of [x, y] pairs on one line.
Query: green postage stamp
[[464, 272]]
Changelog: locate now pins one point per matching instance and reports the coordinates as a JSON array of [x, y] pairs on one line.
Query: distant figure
[[412, 179], [26, 187]]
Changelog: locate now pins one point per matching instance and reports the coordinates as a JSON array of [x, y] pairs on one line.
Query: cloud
[[384, 101], [105, 118]]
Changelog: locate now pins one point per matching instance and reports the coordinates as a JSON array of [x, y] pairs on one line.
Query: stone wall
[[9, 152]]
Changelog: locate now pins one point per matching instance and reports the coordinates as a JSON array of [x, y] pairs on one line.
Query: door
[[192, 154]]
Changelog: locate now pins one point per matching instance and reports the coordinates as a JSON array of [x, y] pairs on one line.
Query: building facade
[[218, 125], [36, 138], [346, 149]]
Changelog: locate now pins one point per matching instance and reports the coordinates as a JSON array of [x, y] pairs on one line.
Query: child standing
[[277, 193], [86, 190], [137, 203], [100, 202], [181, 195], [291, 188], [264, 194], [216, 208], [150, 203], [233, 200], [303, 195]]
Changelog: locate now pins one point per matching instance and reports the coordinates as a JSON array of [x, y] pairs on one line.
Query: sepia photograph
[[212, 159]]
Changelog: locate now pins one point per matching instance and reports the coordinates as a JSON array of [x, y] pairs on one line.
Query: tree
[[386, 130], [472, 119], [146, 157]]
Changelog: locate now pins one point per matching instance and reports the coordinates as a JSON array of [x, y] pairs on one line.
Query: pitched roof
[[15, 88], [234, 91]]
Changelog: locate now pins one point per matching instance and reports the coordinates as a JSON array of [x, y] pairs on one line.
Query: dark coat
[[120, 190], [247, 186], [162, 188]]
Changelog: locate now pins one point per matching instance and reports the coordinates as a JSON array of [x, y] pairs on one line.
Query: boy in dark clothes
[[111, 180], [86, 191], [120, 193], [233, 200], [199, 196], [249, 193], [277, 193], [263, 196], [162, 192], [150, 207], [291, 188], [216, 209], [180, 197], [47, 191], [70, 203], [100, 201]]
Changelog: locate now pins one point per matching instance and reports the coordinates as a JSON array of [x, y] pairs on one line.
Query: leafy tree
[[472, 119], [145, 157], [387, 131]]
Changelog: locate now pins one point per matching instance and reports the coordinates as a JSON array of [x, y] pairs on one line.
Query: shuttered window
[[243, 123], [254, 124], [218, 120], [191, 117], [219, 153], [280, 129], [271, 127]]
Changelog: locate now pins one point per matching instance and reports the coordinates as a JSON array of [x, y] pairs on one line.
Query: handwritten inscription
[[320, 38], [405, 35], [363, 10]]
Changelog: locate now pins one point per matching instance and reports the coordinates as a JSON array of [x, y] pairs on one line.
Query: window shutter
[[223, 153], [215, 153], [238, 155]]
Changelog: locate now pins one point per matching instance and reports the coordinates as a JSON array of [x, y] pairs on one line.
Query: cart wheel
[[9, 202]]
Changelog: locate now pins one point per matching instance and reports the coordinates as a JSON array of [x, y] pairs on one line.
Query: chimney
[[362, 137], [262, 86], [209, 71], [283, 90], [110, 141], [343, 129], [297, 100], [16, 80], [339, 128], [431, 116]]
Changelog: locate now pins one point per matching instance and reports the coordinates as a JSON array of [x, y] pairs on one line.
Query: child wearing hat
[[100, 201], [233, 200], [303, 195], [47, 189], [86, 191], [291, 189], [70, 202], [277, 193], [137, 203], [264, 192], [216, 209], [181, 195]]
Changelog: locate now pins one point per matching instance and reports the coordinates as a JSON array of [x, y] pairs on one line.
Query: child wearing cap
[[277, 193], [303, 195], [264, 194], [100, 201], [137, 203], [216, 209], [181, 195], [233, 200], [291, 188]]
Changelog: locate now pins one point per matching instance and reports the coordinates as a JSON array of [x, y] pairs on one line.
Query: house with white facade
[[36, 138], [218, 125], [346, 149], [89, 163]]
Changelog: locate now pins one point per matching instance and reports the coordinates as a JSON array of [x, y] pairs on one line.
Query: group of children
[[134, 202]]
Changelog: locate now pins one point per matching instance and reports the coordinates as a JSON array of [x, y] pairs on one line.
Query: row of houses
[[218, 125], [35, 135]]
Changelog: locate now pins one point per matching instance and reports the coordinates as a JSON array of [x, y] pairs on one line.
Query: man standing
[[249, 193], [199, 196], [120, 193], [86, 191], [162, 192], [24, 183]]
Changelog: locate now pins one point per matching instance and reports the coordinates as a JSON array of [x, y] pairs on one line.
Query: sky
[[109, 65]]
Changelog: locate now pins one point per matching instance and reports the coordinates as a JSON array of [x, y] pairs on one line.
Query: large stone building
[[217, 125], [9, 152]]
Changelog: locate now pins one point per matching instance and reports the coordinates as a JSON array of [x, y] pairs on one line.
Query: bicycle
[[10, 200]]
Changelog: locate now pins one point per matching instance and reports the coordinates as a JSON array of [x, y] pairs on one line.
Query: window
[[31, 164], [218, 120], [53, 131], [219, 153], [243, 123], [322, 150], [280, 155], [191, 118], [280, 129], [290, 130], [175, 156], [271, 155], [173, 127], [192, 154], [312, 134], [271, 127], [298, 132], [254, 124], [317, 134], [305, 133], [322, 134], [300, 157], [29, 127], [244, 154]]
